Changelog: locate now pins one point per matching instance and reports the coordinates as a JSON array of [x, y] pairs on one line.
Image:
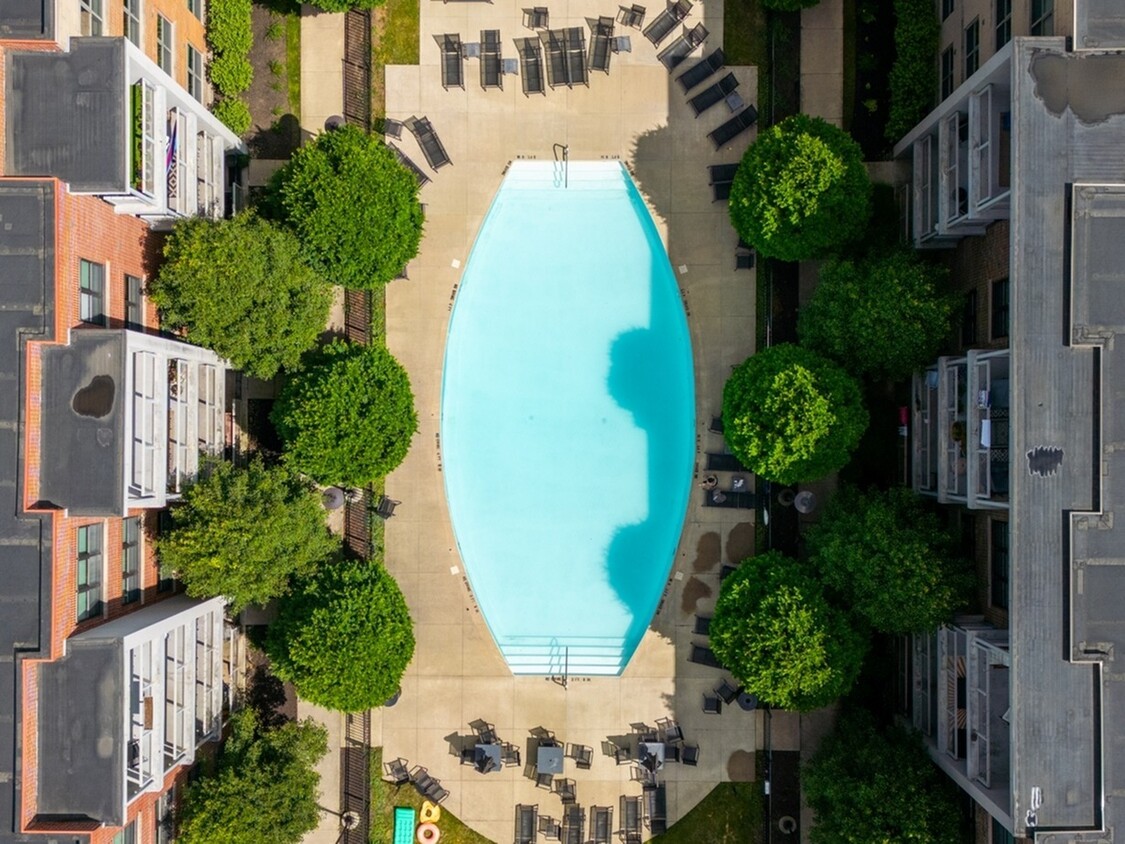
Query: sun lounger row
[[428, 786], [674, 54], [663, 24]]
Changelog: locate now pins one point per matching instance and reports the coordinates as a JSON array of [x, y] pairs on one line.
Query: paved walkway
[[322, 67], [822, 61]]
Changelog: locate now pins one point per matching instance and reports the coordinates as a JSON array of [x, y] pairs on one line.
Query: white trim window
[[195, 72], [92, 13], [133, 16], [165, 44], [88, 578]]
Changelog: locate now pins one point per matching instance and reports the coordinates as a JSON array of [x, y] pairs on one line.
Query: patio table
[[486, 752], [549, 759], [651, 754]]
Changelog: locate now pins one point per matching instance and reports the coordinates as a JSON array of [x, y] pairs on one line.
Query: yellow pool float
[[431, 812]]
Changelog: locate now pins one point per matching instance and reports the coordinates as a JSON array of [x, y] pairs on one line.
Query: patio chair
[[536, 18], [720, 192], [671, 753], [395, 771], [734, 127], [550, 828], [601, 43], [468, 756], [674, 54], [452, 58], [633, 16], [527, 818], [581, 754], [712, 705], [601, 824], [485, 732], [701, 655], [546, 737], [727, 691], [690, 754], [670, 731], [630, 809], [554, 42], [726, 571], [564, 788], [573, 825], [698, 72], [491, 60], [510, 754], [576, 56], [385, 508], [711, 95], [621, 44], [641, 774], [544, 781], [432, 147], [702, 625], [418, 774], [622, 754], [663, 24], [717, 174], [643, 731], [744, 260], [531, 66]]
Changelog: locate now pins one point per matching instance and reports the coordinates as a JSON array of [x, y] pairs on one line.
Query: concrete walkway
[[822, 61], [322, 67]]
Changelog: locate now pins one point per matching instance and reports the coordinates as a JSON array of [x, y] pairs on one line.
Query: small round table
[[748, 701]]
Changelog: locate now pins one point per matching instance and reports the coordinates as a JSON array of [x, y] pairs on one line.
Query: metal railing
[[357, 68], [355, 779]]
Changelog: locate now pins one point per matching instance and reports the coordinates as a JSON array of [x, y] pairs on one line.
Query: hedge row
[[913, 77], [230, 38]]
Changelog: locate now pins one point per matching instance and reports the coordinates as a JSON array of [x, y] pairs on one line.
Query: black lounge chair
[[724, 462], [564, 788], [633, 16], [671, 753], [734, 127], [452, 61], [551, 828], [491, 62], [744, 259], [581, 754], [576, 56], [510, 754], [663, 24], [418, 172], [656, 809], [630, 809], [601, 824], [712, 705], [721, 173], [716, 426], [431, 145], [395, 772], [729, 500], [698, 72], [645, 776], [690, 755], [702, 625], [536, 18], [674, 54], [704, 656], [574, 825], [435, 793], [554, 41], [531, 66], [544, 781], [601, 43], [720, 191], [727, 691], [468, 756], [527, 820], [712, 95]]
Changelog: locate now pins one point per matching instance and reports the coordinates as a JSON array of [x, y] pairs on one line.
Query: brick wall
[[974, 264]]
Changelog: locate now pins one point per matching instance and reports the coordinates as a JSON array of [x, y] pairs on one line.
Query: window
[[1042, 17], [130, 560], [164, 39], [1001, 835], [196, 8], [1000, 302], [972, 48], [133, 18], [947, 8], [91, 285], [1003, 22], [128, 835], [134, 303], [969, 320], [947, 72], [998, 564], [89, 571], [195, 72], [91, 13]]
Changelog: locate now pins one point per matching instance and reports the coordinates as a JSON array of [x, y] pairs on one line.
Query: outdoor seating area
[[426, 785], [674, 54], [663, 24]]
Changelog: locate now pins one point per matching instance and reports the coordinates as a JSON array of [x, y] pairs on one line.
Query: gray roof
[[27, 255], [66, 115], [82, 428], [1068, 419], [27, 19], [1099, 24]]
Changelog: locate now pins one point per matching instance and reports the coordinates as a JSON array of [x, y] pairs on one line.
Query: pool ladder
[[565, 148]]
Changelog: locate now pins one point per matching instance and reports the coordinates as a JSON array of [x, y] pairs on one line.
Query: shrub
[[229, 26], [788, 5], [239, 286], [354, 208], [343, 637], [890, 559], [801, 190], [914, 78], [264, 788], [347, 418], [230, 73], [242, 533], [234, 113], [775, 631], [791, 415], [866, 785], [882, 317], [345, 5]]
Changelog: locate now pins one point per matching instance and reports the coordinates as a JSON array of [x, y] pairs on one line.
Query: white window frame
[[94, 559], [143, 481], [133, 16], [194, 73], [166, 45], [92, 13]]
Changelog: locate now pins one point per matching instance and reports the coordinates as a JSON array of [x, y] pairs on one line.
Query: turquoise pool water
[[567, 418]]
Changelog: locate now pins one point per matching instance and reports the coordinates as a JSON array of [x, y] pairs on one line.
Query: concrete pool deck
[[638, 114]]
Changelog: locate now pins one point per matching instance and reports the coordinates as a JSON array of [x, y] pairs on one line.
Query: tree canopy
[[347, 417], [242, 533], [776, 632], [864, 786], [343, 636], [239, 286], [263, 789], [801, 190], [789, 5], [884, 316], [352, 205], [890, 559], [790, 415]]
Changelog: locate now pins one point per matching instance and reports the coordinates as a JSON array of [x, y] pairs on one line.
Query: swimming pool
[[567, 418]]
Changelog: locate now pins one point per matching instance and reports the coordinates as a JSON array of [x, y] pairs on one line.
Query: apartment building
[[1019, 173]]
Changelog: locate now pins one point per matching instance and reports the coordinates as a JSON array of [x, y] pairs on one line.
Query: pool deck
[[635, 113]]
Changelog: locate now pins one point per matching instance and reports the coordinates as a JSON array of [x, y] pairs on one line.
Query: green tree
[[883, 317], [890, 559], [239, 286], [790, 415], [352, 205], [801, 190], [866, 786], [346, 418], [343, 636], [242, 533], [775, 631], [264, 787]]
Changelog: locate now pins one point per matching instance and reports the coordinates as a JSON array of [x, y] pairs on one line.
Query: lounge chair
[[720, 191], [630, 809], [633, 16], [418, 172], [601, 43], [554, 41], [536, 18], [576, 56], [427, 138], [544, 781], [721, 173], [713, 94], [574, 825], [551, 828], [671, 753], [727, 691], [701, 655], [726, 571], [435, 793], [674, 54], [564, 788], [744, 259], [724, 462], [712, 704], [510, 754], [656, 809], [698, 72], [702, 625], [663, 24], [531, 66], [734, 127], [452, 61], [491, 61], [670, 731], [729, 500], [690, 755], [395, 772], [601, 824], [468, 756], [581, 754], [527, 821]]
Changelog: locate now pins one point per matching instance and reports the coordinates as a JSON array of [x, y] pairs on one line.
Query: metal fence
[[357, 68], [355, 779]]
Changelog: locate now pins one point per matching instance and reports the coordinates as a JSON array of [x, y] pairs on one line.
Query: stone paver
[[322, 59], [328, 831], [822, 61]]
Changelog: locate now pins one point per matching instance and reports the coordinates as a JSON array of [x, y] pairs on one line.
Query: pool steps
[[579, 657], [583, 175]]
